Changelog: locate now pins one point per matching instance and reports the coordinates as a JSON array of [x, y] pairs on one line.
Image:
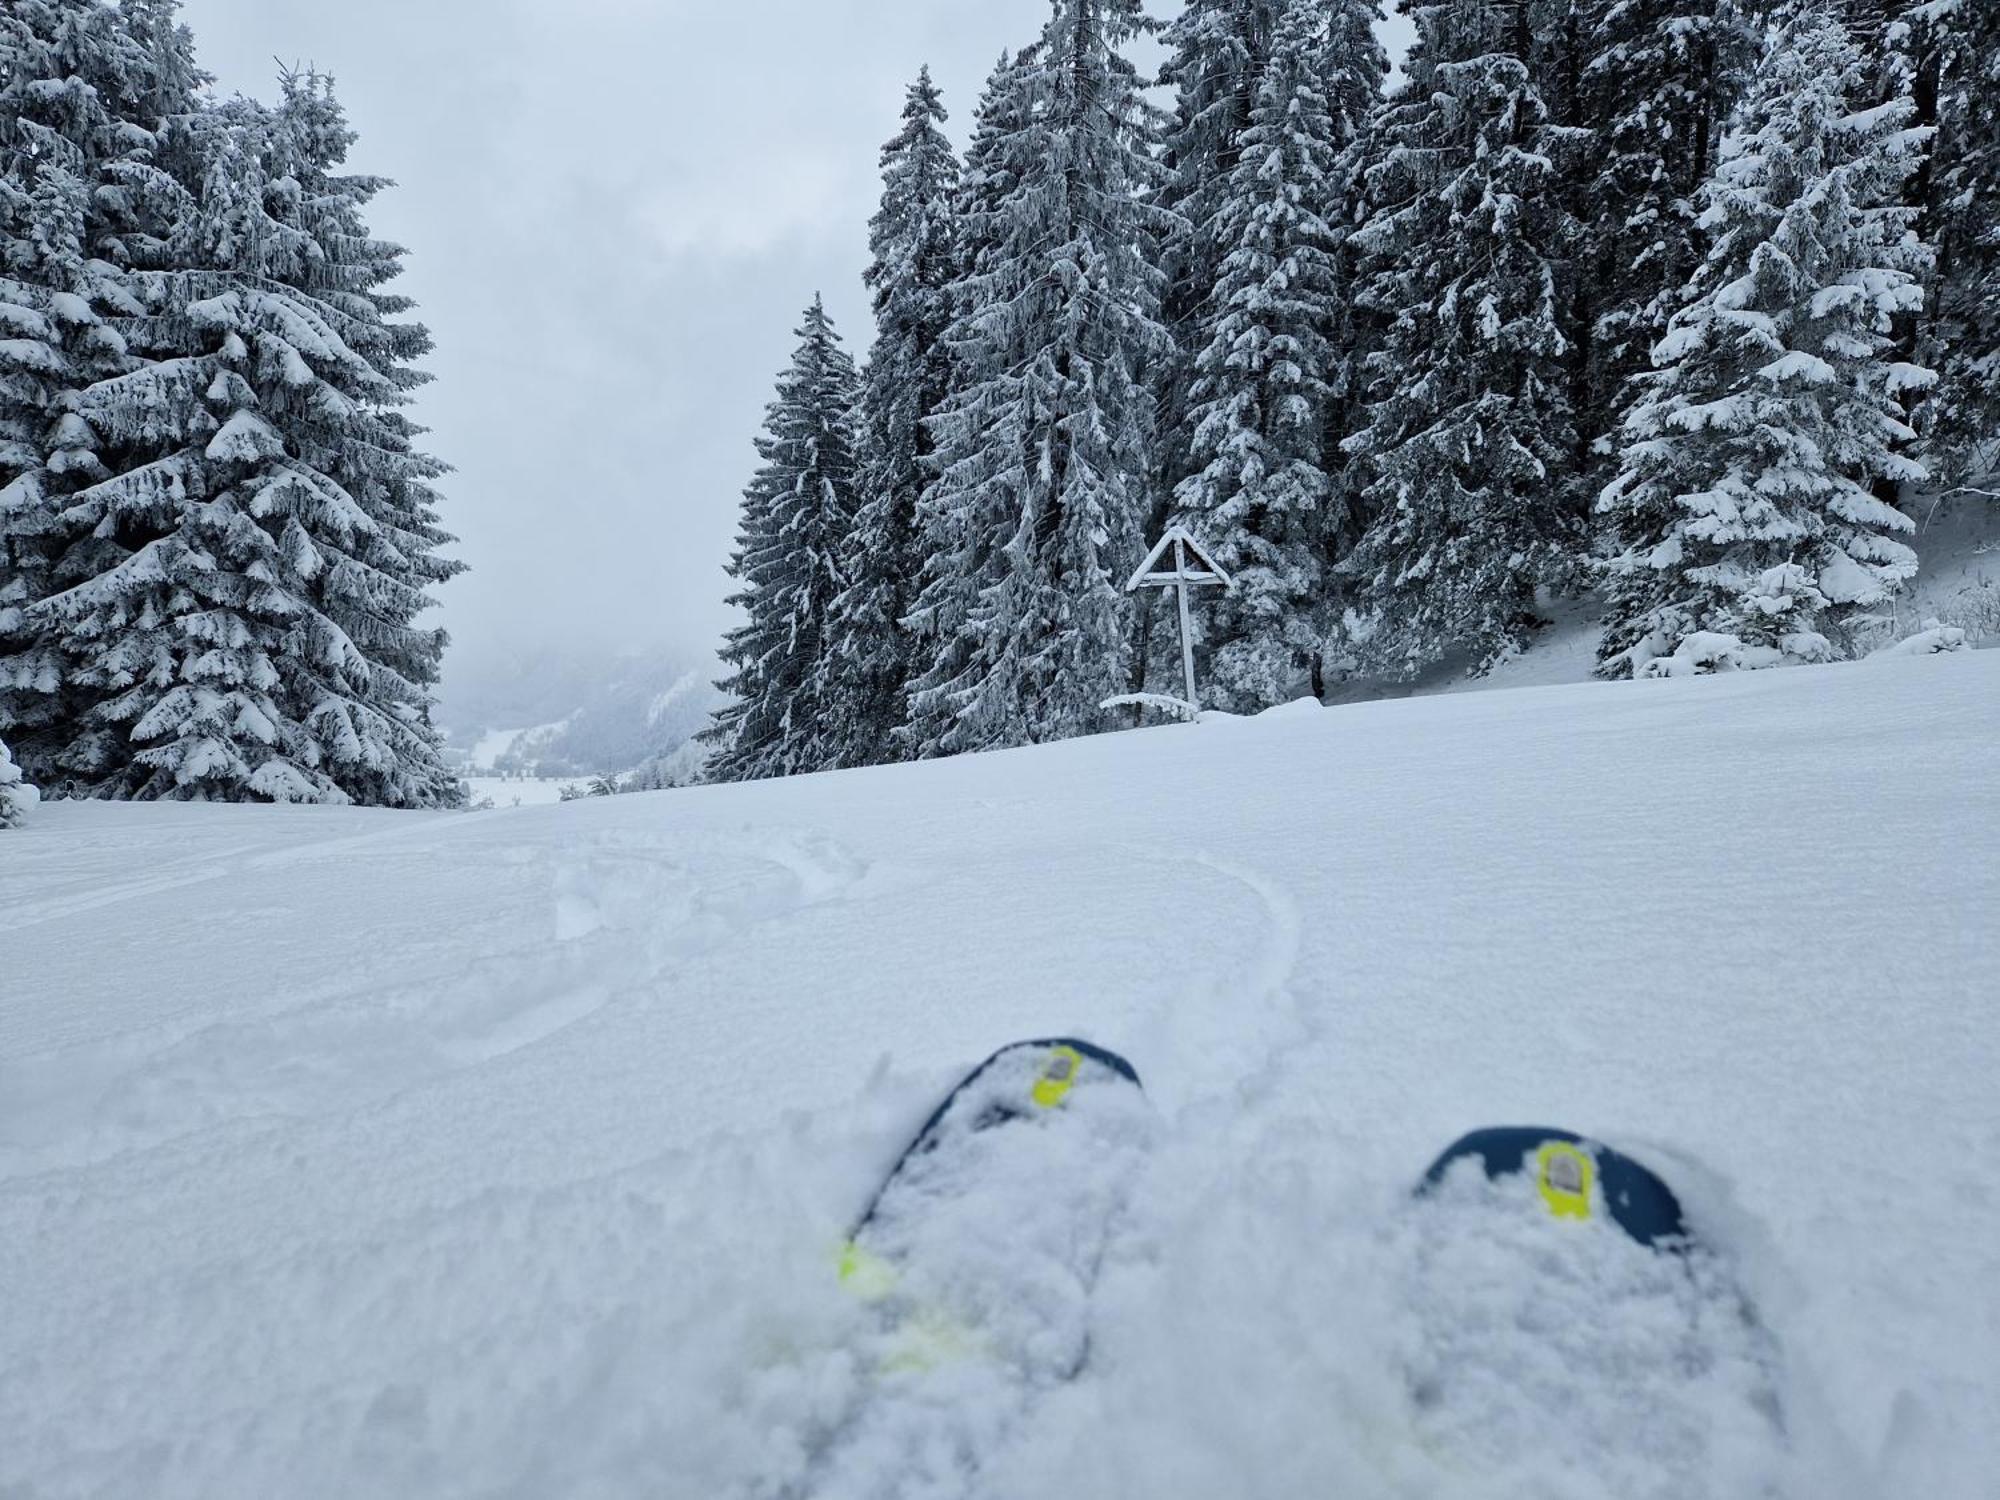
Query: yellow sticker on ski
[[1565, 1174], [1058, 1076], [868, 1277]]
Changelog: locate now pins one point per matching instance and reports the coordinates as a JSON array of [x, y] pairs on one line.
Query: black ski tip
[[1089, 1050], [1640, 1203], [926, 1138]]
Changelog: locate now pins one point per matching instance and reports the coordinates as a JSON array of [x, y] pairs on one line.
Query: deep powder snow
[[508, 1154]]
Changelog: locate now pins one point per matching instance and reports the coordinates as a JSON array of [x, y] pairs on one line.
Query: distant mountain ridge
[[576, 712]]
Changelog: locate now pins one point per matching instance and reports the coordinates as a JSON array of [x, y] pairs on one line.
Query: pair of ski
[[1556, 1289]]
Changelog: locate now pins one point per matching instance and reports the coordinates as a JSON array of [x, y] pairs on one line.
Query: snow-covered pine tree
[[1468, 446], [13, 800], [250, 638], [1216, 51], [1355, 64], [1749, 529], [1661, 79], [913, 238], [1879, 30], [84, 88], [41, 438], [797, 513], [1956, 46], [1929, 51], [958, 559], [1045, 453], [1262, 388], [1357, 67], [377, 604]]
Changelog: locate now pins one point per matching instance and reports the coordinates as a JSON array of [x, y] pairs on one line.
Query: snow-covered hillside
[[588, 713], [349, 1153]]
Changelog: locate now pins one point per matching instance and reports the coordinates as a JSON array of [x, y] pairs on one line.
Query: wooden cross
[[1192, 568]]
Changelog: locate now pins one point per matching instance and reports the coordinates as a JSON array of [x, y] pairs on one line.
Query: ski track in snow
[[507, 1155], [626, 916]]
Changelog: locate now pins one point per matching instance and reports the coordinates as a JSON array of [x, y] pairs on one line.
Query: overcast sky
[[616, 210]]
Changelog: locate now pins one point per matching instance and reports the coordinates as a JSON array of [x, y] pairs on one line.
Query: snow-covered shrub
[[1162, 703], [1974, 609], [1702, 652], [16, 796], [1933, 640]]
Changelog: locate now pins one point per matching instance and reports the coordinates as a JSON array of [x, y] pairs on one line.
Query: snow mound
[[1933, 640], [979, 1263], [1659, 1377]]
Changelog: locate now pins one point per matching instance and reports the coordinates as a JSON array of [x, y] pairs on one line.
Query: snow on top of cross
[[1208, 570], [347, 1152]]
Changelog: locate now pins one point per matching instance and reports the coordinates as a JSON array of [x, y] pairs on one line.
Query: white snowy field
[[360, 1154], [518, 791]]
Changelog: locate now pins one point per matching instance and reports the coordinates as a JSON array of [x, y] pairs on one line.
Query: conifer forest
[[1676, 311]]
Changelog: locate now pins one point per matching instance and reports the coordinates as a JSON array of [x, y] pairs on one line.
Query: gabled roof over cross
[[1191, 564]]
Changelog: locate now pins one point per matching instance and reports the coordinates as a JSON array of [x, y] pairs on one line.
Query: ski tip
[[1082, 1050], [1060, 1066], [1569, 1170]]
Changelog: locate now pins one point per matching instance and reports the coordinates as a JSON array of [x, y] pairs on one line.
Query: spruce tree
[[1216, 51], [1045, 452], [1354, 63], [215, 530], [1745, 504], [1956, 44], [1356, 69], [797, 513], [252, 638], [1933, 53], [914, 243], [85, 89], [1880, 29], [1262, 388], [1469, 445], [400, 556], [959, 559], [1661, 79]]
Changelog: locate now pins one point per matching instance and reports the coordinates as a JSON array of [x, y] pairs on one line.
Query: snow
[[1800, 365], [1932, 640], [1648, 1359], [245, 438], [493, 745], [520, 791], [1709, 651], [978, 1275], [346, 1152]]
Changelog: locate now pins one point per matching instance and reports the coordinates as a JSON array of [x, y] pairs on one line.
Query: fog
[[616, 210]]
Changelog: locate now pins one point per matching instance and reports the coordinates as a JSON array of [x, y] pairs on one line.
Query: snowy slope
[[505, 1154]]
